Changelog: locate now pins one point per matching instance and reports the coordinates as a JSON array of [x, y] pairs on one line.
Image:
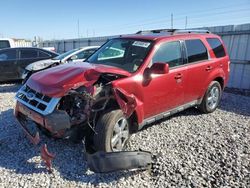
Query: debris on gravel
[[191, 150]]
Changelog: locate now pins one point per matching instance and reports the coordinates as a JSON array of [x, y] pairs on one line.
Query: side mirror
[[159, 68], [156, 68], [73, 57]]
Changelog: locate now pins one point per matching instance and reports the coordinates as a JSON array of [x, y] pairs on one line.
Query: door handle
[[209, 68], [178, 76]]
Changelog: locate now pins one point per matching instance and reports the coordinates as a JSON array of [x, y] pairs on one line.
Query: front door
[[165, 91]]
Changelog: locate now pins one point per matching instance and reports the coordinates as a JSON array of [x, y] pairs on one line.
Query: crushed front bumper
[[99, 162], [55, 123]]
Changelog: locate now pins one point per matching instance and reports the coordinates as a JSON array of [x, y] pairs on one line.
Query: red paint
[[128, 105], [47, 157], [56, 81]]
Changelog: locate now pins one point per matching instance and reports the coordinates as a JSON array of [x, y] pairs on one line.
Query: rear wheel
[[112, 132], [212, 98]]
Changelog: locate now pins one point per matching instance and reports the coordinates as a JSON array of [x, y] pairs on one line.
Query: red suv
[[129, 82]]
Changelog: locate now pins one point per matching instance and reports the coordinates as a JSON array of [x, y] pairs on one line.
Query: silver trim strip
[[167, 113], [49, 106]]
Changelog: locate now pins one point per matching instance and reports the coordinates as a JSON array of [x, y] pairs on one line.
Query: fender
[[129, 103], [215, 73]]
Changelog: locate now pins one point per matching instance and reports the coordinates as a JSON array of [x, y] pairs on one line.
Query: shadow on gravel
[[8, 88], [19, 155], [235, 103]]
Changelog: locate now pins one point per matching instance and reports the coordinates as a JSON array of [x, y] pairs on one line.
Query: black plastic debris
[[101, 162]]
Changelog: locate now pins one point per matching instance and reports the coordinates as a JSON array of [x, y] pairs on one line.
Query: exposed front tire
[[211, 98], [112, 130]]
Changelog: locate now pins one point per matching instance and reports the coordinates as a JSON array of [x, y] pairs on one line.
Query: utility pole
[[186, 21], [172, 21], [78, 28]]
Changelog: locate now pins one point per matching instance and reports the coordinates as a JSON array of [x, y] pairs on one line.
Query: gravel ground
[[192, 149]]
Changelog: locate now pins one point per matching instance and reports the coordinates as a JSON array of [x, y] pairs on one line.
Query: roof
[[154, 37], [25, 48]]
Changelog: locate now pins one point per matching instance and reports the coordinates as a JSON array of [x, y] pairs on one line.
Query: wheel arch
[[220, 80]]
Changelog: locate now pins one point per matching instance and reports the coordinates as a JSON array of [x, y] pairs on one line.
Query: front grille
[[36, 101]]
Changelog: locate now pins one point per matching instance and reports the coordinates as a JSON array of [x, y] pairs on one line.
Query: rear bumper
[[55, 123]]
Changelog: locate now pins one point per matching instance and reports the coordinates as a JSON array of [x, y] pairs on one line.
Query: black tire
[[105, 130], [204, 106]]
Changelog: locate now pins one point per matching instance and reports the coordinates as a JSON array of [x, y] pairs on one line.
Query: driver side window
[[169, 52]]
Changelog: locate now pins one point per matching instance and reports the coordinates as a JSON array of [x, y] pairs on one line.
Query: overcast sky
[[58, 19]]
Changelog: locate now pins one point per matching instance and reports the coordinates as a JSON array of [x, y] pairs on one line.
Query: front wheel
[[112, 132], [212, 98]]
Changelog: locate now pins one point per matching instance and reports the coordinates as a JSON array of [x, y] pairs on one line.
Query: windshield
[[62, 56], [127, 54]]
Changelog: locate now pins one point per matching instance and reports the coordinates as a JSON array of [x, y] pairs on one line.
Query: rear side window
[[27, 53], [4, 44], [196, 51], [217, 47], [43, 54], [170, 53], [8, 55]]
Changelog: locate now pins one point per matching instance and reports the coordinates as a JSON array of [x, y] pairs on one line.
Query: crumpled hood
[[56, 81], [38, 65]]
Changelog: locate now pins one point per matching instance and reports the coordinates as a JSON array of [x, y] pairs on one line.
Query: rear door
[[8, 64], [199, 65], [26, 57]]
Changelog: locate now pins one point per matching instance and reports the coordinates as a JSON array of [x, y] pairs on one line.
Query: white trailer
[[12, 43]]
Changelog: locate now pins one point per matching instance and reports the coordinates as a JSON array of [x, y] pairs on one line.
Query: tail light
[[228, 66]]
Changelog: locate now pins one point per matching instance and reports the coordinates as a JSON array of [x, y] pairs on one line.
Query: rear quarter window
[[28, 54], [217, 47], [4, 44], [196, 50], [44, 54]]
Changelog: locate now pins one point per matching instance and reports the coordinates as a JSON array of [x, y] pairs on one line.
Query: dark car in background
[[14, 60]]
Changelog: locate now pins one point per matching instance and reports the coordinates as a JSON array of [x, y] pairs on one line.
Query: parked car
[[114, 95], [70, 56], [14, 60]]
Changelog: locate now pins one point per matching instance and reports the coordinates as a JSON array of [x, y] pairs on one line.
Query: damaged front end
[[61, 117], [72, 113]]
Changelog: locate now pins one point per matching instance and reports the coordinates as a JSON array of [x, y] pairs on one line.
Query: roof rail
[[155, 31], [172, 31], [191, 31]]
